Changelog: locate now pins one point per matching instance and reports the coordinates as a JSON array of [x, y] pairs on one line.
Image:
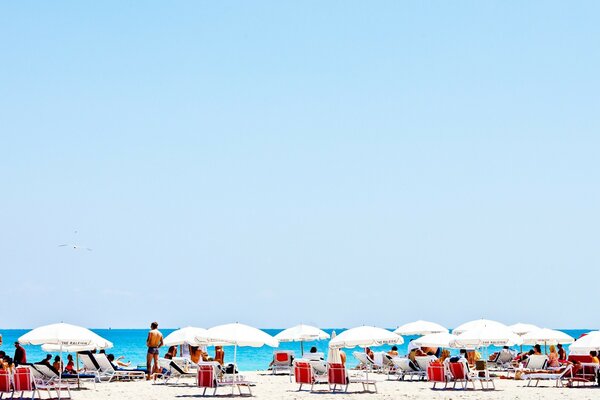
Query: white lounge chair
[[424, 361], [364, 360], [536, 362], [558, 377], [107, 368], [404, 367], [172, 370]]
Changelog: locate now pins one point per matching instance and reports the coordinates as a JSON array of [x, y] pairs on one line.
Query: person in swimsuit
[[219, 354], [154, 342]]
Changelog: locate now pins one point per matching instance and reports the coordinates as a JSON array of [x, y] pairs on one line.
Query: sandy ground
[[279, 387]]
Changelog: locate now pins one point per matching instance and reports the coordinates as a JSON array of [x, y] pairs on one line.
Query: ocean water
[[130, 343]]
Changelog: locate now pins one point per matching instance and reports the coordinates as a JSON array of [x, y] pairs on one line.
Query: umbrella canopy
[[435, 340], [65, 335], [547, 337], [333, 355], [420, 328], [240, 335], [188, 335], [301, 333], [522, 329], [365, 336], [494, 334], [477, 324], [586, 343]]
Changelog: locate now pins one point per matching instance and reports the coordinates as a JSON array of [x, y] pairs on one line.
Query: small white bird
[[75, 246]]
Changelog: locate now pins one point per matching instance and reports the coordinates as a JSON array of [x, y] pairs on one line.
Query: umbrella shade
[[365, 336], [477, 324], [65, 335], [188, 335], [435, 340], [240, 335], [547, 337], [486, 336], [522, 329], [301, 333], [420, 328], [586, 343]]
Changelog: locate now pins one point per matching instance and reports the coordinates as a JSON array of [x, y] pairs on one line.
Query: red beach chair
[[436, 373], [583, 371], [459, 374], [5, 383], [23, 382], [304, 375], [336, 375], [207, 379], [282, 361]]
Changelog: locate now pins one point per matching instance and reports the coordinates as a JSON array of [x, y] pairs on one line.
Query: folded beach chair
[[556, 376], [536, 362], [404, 367], [106, 368], [304, 374], [338, 376], [459, 374], [482, 375], [436, 373], [5, 384], [282, 361], [208, 379], [364, 360]]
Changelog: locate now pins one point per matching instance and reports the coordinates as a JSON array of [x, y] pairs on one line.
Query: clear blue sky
[[335, 163]]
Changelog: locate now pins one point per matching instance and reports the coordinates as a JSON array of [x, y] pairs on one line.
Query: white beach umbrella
[[64, 336], [189, 335], [435, 340], [365, 336], [477, 324], [420, 328], [237, 334], [586, 343], [333, 355], [301, 333], [547, 337], [492, 335], [521, 329]]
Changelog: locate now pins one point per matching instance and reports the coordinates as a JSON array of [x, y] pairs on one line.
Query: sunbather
[[562, 354], [46, 361], [70, 368], [58, 365], [219, 354], [553, 358], [594, 355], [172, 352], [116, 362], [369, 353], [537, 350], [445, 354], [394, 351], [343, 357]]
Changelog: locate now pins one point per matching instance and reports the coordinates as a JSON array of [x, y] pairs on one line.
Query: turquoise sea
[[130, 343]]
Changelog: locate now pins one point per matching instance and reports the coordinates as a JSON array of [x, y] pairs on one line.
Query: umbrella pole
[[302, 347], [234, 368], [60, 371], [77, 369]]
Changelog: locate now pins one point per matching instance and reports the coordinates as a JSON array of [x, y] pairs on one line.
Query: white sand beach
[[279, 387]]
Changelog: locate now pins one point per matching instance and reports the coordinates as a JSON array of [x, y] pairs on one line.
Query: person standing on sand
[[154, 342]]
